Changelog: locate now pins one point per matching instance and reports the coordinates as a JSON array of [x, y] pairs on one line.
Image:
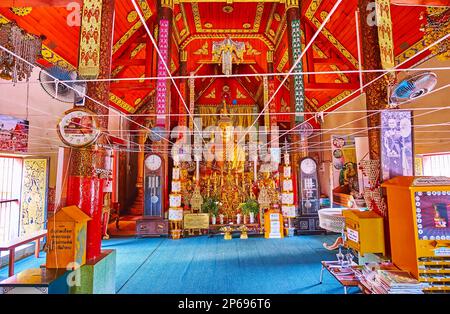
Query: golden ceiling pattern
[[136, 26], [199, 26], [181, 30]]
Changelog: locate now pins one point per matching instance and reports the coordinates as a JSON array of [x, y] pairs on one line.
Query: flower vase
[[238, 219], [252, 218], [245, 219], [213, 219], [221, 219]]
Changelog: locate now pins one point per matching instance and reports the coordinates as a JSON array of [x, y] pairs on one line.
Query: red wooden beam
[[120, 52], [149, 56], [445, 3], [131, 85], [309, 54], [326, 61], [310, 87], [330, 45], [38, 3], [131, 62]]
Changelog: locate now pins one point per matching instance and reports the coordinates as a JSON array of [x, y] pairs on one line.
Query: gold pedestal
[[176, 234], [227, 235]]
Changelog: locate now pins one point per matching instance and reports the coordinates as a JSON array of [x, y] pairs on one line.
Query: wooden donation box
[[66, 240], [419, 211], [273, 225], [364, 231]]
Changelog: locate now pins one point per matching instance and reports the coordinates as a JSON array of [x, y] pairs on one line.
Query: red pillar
[[85, 184], [165, 18]]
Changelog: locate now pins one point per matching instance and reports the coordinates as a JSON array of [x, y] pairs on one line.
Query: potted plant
[[211, 205], [249, 208]]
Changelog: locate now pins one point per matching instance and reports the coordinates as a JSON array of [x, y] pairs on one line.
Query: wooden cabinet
[[152, 227], [364, 231], [419, 211]]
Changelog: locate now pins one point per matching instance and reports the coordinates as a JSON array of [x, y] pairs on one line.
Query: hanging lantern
[[22, 44]]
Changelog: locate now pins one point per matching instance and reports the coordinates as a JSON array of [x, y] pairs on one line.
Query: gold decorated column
[[138, 206], [182, 119], [377, 92]]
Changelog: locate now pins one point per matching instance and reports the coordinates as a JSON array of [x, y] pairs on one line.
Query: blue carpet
[[203, 265]]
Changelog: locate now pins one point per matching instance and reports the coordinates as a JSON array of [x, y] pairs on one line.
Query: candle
[[255, 169]]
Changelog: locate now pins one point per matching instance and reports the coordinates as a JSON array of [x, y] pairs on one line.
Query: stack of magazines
[[387, 279]]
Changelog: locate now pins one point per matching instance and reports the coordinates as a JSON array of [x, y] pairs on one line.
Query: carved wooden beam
[[38, 3]]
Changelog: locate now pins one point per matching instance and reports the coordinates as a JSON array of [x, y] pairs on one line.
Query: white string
[[138, 10], [299, 59], [86, 96], [367, 84], [218, 76], [365, 117]]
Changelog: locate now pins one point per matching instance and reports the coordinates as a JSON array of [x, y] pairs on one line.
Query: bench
[[344, 275], [11, 246]]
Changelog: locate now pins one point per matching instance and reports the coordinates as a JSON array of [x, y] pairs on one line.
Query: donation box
[[273, 225], [66, 240]]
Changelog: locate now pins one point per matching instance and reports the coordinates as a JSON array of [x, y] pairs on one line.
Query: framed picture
[[13, 134]]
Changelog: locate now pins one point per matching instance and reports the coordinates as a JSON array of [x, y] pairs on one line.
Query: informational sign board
[[196, 221]]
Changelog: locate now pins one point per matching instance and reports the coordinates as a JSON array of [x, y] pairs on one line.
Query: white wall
[[435, 139], [43, 113]]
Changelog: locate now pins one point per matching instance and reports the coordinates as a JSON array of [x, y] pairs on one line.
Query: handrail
[[9, 201]]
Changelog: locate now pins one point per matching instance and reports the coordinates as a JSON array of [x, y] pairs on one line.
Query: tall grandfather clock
[[309, 197], [153, 222]]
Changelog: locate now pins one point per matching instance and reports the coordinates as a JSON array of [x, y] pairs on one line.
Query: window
[[436, 165], [10, 189]]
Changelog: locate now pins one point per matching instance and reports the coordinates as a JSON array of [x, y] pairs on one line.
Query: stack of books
[[387, 279]]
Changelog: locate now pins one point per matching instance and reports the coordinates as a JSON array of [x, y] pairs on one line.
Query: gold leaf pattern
[[239, 94], [252, 51], [212, 95]]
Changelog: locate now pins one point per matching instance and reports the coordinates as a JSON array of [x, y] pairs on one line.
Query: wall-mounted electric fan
[[68, 92], [412, 87]]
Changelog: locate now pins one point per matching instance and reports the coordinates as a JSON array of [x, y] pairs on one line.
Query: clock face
[[153, 162], [78, 128], [308, 166]]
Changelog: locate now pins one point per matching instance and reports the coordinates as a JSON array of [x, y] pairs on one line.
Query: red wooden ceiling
[[269, 34], [52, 23]]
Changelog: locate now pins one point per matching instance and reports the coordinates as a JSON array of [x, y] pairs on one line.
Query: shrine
[[235, 146]]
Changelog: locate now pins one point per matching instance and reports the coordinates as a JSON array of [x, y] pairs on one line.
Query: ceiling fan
[[413, 87], [68, 92]]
